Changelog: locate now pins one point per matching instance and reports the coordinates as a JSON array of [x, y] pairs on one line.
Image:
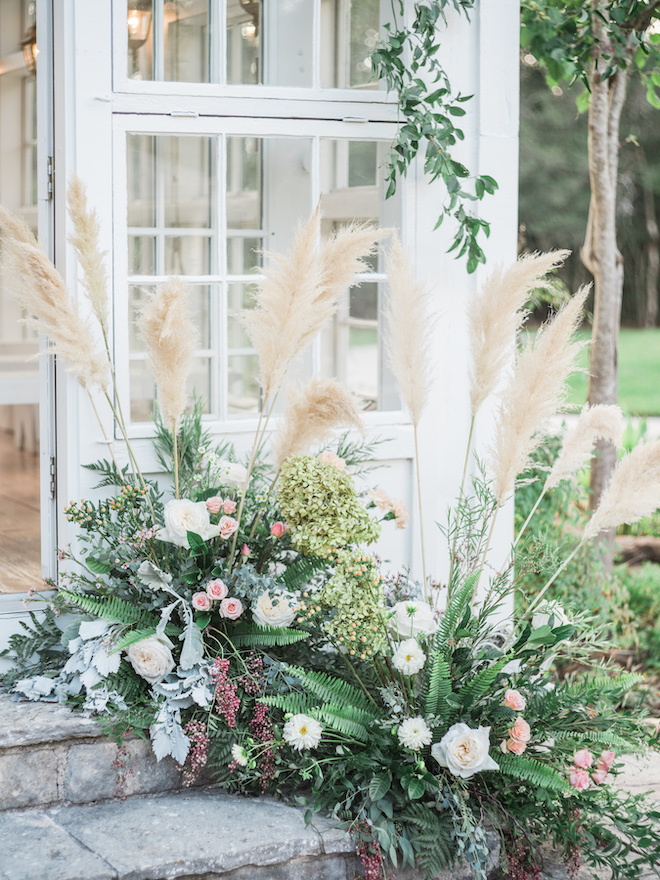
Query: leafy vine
[[407, 60]]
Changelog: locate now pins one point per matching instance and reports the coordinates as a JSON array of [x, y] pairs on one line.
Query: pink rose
[[606, 759], [201, 601], [380, 498], [214, 504], [598, 777], [401, 515], [333, 459], [231, 608], [515, 747], [229, 506], [514, 700], [216, 589], [520, 732], [228, 526], [583, 759], [579, 779], [278, 529], [245, 551]]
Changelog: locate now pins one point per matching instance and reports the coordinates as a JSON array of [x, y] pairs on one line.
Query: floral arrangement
[[238, 617]]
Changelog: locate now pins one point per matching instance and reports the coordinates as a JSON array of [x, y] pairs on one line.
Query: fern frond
[[330, 689], [600, 686], [481, 683], [534, 772], [301, 572], [432, 838], [338, 721], [456, 609], [603, 737], [110, 608], [439, 685], [268, 636], [295, 702], [110, 475]]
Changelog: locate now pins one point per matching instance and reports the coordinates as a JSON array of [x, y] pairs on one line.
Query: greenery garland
[[407, 60]]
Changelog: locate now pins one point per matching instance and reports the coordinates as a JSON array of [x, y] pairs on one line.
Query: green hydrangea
[[321, 507], [356, 595]]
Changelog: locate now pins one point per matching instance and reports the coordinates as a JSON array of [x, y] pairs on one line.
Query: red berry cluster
[[227, 701], [368, 851], [253, 680], [262, 731], [520, 865], [198, 754]]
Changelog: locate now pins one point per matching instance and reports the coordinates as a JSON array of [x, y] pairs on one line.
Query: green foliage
[[247, 635], [332, 689], [111, 608], [433, 840], [301, 572], [407, 59], [438, 685], [643, 587], [38, 649], [533, 772]]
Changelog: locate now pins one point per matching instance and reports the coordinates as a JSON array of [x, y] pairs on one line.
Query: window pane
[[141, 255], [186, 44], [239, 297], [352, 190], [243, 254], [186, 174], [141, 170], [244, 391], [244, 182], [140, 39], [143, 391], [187, 255], [349, 34], [270, 43]]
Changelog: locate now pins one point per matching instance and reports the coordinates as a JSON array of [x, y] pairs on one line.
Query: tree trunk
[[652, 258], [600, 253]]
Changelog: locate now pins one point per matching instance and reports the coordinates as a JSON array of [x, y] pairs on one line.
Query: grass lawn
[[639, 373]]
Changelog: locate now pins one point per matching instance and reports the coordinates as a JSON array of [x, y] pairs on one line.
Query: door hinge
[[50, 169], [52, 488]]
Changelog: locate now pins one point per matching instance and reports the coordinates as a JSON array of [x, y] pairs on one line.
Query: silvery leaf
[[152, 576], [92, 629], [165, 616], [90, 677], [193, 646], [74, 644], [105, 662]]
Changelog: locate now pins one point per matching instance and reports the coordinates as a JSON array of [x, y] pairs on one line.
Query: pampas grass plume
[[632, 493], [42, 293], [495, 315], [85, 242], [171, 338], [299, 292], [409, 332], [535, 392], [311, 413], [600, 422]]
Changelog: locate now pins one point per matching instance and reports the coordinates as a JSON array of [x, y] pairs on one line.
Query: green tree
[[601, 42]]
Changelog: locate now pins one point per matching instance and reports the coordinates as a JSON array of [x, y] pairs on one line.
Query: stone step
[[192, 835], [49, 755]]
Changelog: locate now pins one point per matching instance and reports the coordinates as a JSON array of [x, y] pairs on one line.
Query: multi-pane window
[[207, 200], [263, 42]]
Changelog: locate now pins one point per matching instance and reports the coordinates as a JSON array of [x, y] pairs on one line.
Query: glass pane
[[239, 296], [143, 392], [269, 186], [270, 43], [353, 187], [187, 255], [350, 345], [243, 255], [186, 176], [244, 391], [198, 384], [186, 44], [140, 39], [141, 170], [349, 34], [141, 255], [244, 183], [137, 297]]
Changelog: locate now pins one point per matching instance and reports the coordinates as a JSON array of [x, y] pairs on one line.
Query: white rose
[[412, 618], [183, 516], [464, 751], [546, 611], [276, 610], [231, 473], [151, 658], [409, 657]]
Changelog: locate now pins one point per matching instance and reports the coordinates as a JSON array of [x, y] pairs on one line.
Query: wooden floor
[[20, 541]]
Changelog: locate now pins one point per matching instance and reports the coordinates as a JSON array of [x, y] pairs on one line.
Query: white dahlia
[[302, 732], [409, 657], [414, 733]]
